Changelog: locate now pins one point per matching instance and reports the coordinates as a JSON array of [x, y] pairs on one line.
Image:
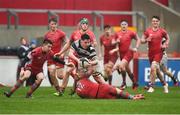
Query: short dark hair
[[53, 20], [47, 41], [156, 17], [123, 20], [107, 26], [85, 37]]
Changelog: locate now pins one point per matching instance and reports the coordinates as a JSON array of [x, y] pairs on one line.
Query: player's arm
[[71, 54], [143, 39], [114, 50], [21, 53], [101, 49], [94, 44], [94, 61], [28, 58], [138, 41], [65, 48], [165, 45], [57, 59]]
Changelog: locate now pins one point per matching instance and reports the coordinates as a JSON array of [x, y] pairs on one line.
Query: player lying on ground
[[35, 60], [85, 88]]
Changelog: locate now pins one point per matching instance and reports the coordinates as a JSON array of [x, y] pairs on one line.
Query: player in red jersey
[[124, 38], [106, 42], [34, 66], [58, 37], [154, 36], [85, 88]]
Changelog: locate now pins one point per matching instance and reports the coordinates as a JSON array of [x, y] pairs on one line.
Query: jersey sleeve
[[72, 37], [134, 35], [63, 35], [164, 34], [51, 54], [93, 54], [146, 33], [101, 42]]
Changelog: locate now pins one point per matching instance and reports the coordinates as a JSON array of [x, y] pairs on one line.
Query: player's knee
[[51, 72], [154, 65], [25, 76]]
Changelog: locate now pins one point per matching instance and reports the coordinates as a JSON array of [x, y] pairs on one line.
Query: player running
[[153, 36], [106, 42], [34, 67], [163, 66], [124, 38], [58, 37]]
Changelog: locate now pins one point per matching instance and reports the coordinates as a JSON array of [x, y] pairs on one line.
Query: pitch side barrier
[[95, 14], [142, 70]]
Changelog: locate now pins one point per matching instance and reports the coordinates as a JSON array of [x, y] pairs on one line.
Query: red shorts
[[52, 62], [106, 92], [155, 57], [128, 56], [34, 71], [111, 58]]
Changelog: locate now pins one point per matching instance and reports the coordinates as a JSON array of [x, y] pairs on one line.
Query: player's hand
[[118, 41], [149, 39], [22, 71], [111, 52], [57, 54], [135, 49], [138, 97], [70, 64]]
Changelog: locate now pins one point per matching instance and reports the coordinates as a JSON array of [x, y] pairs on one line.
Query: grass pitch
[[44, 102]]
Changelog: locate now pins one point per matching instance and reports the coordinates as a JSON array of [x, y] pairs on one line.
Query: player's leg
[[165, 71], [97, 75], [122, 69], [52, 73], [108, 72], [126, 95], [160, 76], [39, 78], [131, 76], [23, 76], [60, 72], [153, 72], [68, 71]]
